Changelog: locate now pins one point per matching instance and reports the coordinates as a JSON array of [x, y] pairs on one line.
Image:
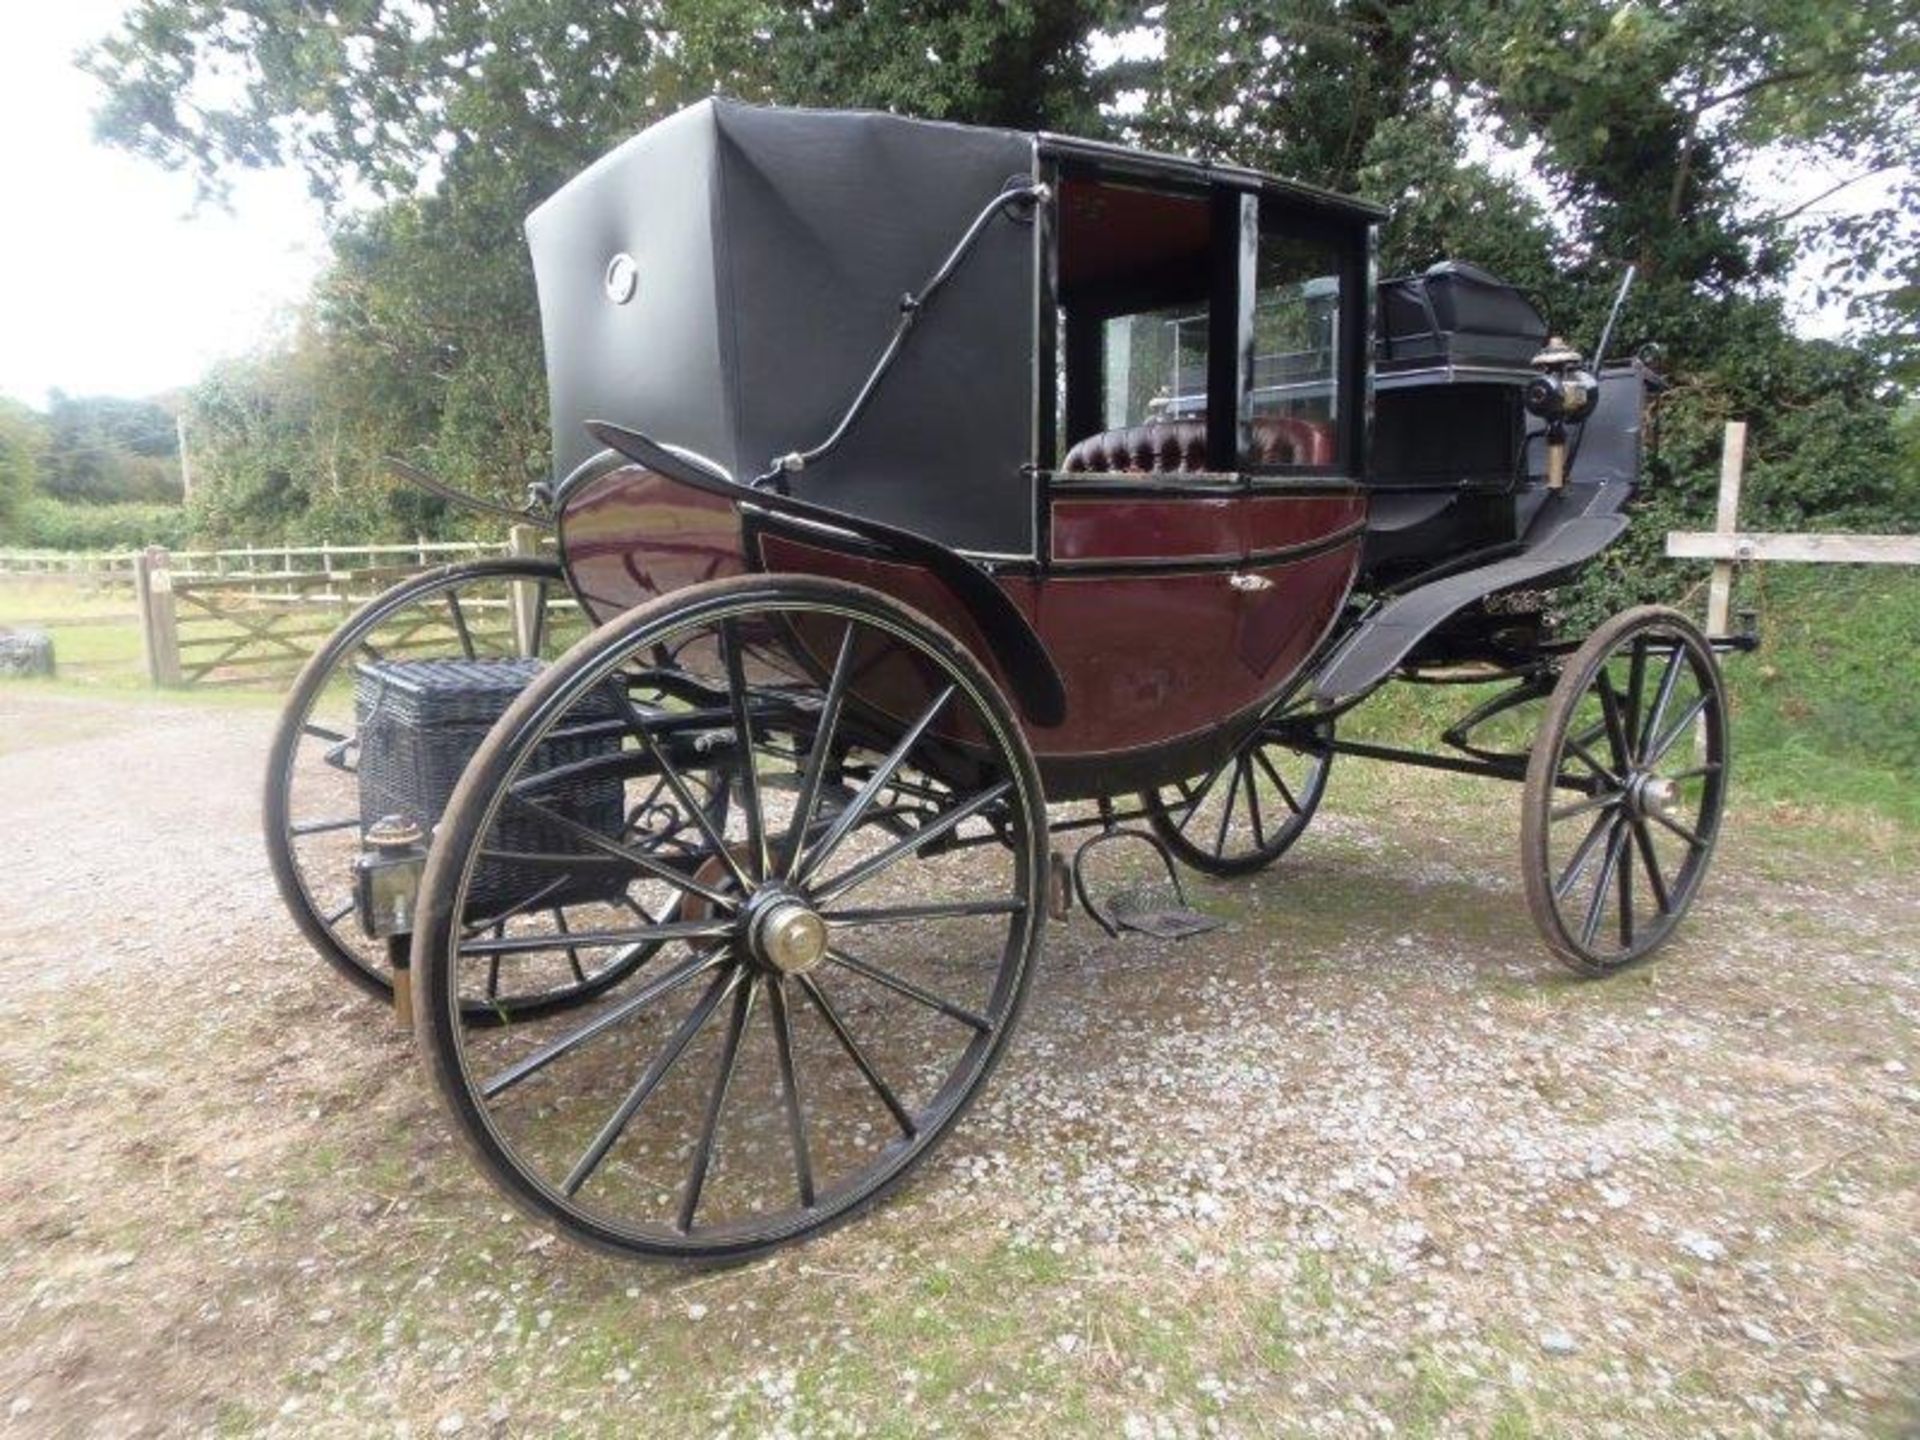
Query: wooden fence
[[1726, 544], [225, 617]]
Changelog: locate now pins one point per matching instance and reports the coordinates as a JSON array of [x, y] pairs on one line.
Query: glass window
[[1155, 366], [1295, 401]]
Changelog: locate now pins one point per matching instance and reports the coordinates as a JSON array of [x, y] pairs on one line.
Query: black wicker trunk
[[420, 722]]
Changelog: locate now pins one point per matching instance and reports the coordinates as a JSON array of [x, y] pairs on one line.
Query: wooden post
[[159, 625], [523, 601], [1726, 521]]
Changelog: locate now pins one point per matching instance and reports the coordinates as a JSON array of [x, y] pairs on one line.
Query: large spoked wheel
[[485, 610], [1624, 791], [833, 982], [1250, 810]]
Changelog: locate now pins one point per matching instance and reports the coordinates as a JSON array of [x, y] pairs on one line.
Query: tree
[[23, 441], [103, 449]]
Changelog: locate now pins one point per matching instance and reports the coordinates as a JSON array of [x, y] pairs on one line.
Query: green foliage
[[1642, 127], [23, 440], [50, 524], [1841, 647], [101, 449]]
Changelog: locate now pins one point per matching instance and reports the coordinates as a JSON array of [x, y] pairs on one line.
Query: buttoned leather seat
[[1179, 447]]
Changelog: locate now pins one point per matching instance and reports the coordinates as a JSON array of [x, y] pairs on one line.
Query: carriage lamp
[[1563, 393], [386, 877]]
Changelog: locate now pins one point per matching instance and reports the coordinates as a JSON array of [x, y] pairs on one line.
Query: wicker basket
[[420, 722]]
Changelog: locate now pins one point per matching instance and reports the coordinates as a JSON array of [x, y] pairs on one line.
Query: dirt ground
[[1362, 1162]]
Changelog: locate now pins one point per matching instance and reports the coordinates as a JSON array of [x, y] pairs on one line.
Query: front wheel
[[827, 989], [1625, 788]]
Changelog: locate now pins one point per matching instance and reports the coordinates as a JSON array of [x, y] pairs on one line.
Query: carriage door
[[1187, 420]]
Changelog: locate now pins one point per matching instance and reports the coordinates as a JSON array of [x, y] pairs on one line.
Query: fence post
[[523, 597], [159, 625], [1726, 521]]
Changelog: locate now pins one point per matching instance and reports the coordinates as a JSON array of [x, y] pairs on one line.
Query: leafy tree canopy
[[1551, 141]]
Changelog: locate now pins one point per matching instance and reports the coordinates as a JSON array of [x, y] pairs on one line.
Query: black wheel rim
[[1638, 755], [730, 1095], [493, 610], [1251, 807]]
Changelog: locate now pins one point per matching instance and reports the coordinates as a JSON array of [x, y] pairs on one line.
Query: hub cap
[[790, 937]]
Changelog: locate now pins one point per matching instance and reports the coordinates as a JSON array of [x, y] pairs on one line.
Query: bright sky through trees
[[109, 282]]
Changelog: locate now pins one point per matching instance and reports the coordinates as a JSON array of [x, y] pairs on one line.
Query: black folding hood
[[725, 280]]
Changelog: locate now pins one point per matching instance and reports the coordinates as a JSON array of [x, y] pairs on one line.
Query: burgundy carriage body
[[1141, 406]]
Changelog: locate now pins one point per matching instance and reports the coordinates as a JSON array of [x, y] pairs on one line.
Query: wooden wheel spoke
[[1616, 728], [922, 836], [1253, 805], [460, 625], [716, 1102], [649, 1081], [638, 859], [908, 1126], [900, 985], [1200, 796], [1273, 774], [539, 1059], [1596, 907], [322, 827], [1583, 852], [931, 910], [1693, 839], [1657, 752], [1579, 751], [1626, 885], [599, 939], [1650, 863], [856, 809], [1636, 693], [1663, 695], [1226, 808], [537, 629], [824, 731], [737, 696], [1605, 799], [676, 783], [791, 1096]]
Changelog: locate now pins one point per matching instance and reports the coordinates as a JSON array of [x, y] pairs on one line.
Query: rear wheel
[[831, 985], [483, 612], [1248, 812], [1625, 788]]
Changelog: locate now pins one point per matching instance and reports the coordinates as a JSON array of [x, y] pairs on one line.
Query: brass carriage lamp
[[1563, 393], [386, 885], [386, 877]]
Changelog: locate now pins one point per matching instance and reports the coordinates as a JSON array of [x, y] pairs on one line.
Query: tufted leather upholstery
[[1179, 447]]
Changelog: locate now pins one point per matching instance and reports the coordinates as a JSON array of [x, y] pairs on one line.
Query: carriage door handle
[[1249, 584]]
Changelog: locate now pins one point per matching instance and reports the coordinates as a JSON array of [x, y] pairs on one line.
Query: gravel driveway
[[1362, 1162]]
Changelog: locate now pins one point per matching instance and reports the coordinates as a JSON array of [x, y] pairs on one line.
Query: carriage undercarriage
[[834, 941]]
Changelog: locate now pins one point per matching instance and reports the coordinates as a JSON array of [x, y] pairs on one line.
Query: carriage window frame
[[1351, 243], [1241, 213]]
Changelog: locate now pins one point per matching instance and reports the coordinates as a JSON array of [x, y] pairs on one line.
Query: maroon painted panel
[[630, 535], [1273, 522], [1120, 528], [1197, 527], [1147, 657]]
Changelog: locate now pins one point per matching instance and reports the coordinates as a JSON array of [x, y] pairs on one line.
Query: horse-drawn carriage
[[939, 496]]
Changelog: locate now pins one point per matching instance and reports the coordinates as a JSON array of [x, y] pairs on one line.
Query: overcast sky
[[112, 283], [109, 282]]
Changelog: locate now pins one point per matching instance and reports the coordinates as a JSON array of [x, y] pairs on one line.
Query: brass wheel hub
[[788, 937], [1653, 795]]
